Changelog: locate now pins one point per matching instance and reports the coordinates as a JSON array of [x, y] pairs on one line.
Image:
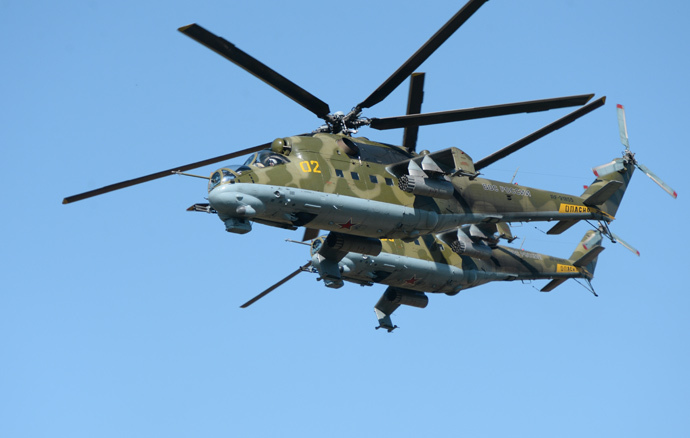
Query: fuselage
[[318, 184], [427, 265]]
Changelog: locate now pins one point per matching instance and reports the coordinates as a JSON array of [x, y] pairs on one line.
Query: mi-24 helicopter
[[333, 181], [431, 264], [412, 269]]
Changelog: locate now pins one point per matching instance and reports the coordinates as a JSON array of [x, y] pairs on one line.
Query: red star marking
[[347, 225], [412, 280]]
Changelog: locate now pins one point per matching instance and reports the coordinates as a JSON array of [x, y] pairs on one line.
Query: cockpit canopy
[[261, 159], [266, 158], [225, 176]]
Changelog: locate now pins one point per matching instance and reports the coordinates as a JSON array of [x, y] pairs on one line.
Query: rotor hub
[[341, 123]]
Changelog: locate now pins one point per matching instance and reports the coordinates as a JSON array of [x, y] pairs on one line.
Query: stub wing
[[391, 299]]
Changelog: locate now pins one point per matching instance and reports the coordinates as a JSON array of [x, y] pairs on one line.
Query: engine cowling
[[418, 185]]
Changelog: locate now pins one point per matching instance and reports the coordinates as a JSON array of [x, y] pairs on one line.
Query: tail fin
[[606, 192], [585, 257], [587, 251]]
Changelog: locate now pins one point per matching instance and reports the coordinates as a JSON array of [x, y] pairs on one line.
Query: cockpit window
[[266, 158], [225, 176], [214, 181]]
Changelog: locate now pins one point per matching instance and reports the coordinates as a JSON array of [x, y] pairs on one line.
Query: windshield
[[225, 176], [266, 158]]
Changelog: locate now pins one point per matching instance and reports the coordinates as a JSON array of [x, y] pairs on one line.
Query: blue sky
[[120, 314]]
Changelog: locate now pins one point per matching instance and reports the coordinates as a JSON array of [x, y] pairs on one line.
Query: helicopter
[[434, 264], [330, 180], [413, 268]]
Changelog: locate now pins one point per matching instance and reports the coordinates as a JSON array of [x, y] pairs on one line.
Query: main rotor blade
[[422, 54], [657, 180], [157, 175], [414, 106], [558, 124], [275, 286], [229, 51], [479, 112]]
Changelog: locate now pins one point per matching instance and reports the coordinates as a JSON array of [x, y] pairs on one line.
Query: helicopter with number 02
[[355, 187], [413, 268]]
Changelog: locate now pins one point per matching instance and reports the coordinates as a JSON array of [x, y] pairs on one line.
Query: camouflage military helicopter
[[333, 181], [410, 269], [435, 264]]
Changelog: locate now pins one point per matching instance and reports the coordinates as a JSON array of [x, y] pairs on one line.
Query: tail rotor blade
[[613, 237], [622, 126], [625, 244], [657, 180], [275, 286]]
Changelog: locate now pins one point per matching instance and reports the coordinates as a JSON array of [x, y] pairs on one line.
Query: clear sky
[[120, 314]]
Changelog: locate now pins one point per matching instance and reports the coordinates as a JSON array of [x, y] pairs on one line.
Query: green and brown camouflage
[[363, 188], [332, 181], [503, 263], [427, 265]]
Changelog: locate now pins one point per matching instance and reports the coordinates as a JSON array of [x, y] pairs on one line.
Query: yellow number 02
[[307, 166]]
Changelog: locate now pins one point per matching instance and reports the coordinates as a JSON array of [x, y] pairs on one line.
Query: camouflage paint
[[325, 188]]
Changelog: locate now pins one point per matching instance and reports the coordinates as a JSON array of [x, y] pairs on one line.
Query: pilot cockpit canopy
[[225, 176], [266, 158]]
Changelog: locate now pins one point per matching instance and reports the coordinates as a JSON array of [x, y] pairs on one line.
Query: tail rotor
[[604, 231], [620, 165], [623, 128]]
